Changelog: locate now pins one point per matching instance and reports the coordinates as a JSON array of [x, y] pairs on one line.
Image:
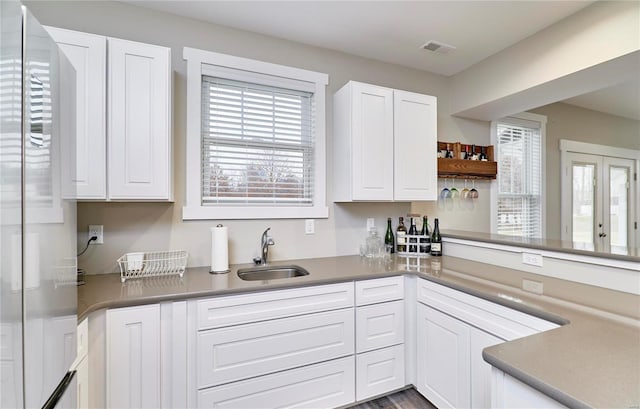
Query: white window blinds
[[257, 144], [519, 154]]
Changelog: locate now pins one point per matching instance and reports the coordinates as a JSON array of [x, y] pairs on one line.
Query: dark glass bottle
[[389, 240], [413, 230], [401, 236], [473, 153], [436, 239], [425, 241], [483, 153]]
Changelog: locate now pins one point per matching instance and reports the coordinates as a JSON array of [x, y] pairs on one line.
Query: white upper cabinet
[[87, 53], [384, 144], [123, 146], [139, 121]]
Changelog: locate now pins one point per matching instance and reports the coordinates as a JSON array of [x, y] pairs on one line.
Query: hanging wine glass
[[465, 191], [445, 193], [473, 193], [454, 192]]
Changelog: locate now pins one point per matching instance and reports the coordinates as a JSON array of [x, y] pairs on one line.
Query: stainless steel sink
[[271, 272]]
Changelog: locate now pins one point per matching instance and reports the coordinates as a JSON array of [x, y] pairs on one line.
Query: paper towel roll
[[219, 249]]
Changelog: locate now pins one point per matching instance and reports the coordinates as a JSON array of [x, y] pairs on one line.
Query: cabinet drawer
[[379, 290], [379, 371], [379, 325], [244, 351], [326, 385], [245, 308], [496, 319]]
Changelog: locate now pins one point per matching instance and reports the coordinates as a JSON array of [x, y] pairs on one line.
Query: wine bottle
[[425, 240], [413, 230], [436, 239], [401, 236], [389, 241]]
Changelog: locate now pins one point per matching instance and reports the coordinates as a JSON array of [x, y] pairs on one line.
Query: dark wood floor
[[406, 399]]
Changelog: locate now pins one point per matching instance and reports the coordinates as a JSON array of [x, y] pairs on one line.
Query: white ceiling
[[394, 31]]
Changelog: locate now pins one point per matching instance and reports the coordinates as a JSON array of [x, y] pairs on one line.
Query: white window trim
[[193, 209], [542, 120]]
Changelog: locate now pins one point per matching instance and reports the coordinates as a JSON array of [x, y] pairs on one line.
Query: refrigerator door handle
[[60, 390]]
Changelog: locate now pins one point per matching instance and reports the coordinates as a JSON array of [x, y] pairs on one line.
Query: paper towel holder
[[211, 270]]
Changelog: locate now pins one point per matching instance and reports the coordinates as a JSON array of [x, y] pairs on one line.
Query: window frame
[[517, 120], [201, 62]]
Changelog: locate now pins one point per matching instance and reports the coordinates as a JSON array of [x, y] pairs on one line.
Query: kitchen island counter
[[591, 360]]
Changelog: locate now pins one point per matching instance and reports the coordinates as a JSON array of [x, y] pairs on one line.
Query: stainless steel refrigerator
[[37, 223]]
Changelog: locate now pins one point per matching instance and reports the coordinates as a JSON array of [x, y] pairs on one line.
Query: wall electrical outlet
[[532, 286], [532, 259], [309, 226], [96, 230]]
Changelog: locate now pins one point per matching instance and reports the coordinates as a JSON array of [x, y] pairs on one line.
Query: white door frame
[[567, 146]]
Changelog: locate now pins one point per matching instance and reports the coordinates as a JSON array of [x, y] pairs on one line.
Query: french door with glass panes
[[598, 202]]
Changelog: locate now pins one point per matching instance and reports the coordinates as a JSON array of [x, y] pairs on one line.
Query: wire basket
[[152, 264]]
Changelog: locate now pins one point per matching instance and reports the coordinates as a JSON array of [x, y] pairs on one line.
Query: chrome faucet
[[265, 242]]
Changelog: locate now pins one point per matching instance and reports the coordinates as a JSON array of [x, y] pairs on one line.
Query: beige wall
[[579, 54], [157, 226], [566, 121]]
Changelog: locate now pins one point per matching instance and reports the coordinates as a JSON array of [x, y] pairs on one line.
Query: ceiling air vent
[[438, 47]]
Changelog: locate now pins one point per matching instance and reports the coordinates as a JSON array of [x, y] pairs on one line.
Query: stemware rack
[[456, 168]]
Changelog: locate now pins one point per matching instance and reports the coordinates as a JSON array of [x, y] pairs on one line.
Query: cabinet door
[[139, 121], [133, 357], [88, 55], [481, 370], [372, 142], [415, 144], [443, 359]]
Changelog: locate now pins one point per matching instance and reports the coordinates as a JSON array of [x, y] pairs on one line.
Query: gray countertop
[[585, 249], [592, 360]]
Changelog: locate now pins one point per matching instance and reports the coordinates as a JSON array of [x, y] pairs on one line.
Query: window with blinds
[[257, 144], [519, 200]]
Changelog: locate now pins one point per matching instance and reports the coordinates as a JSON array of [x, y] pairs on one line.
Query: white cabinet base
[[325, 385], [379, 371]]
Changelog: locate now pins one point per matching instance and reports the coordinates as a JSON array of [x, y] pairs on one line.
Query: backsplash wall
[[159, 226]]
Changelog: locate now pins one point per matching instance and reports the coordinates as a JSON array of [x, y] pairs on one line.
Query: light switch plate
[[371, 223], [309, 226]]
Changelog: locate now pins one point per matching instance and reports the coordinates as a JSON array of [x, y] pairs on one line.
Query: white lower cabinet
[[452, 330], [133, 357], [443, 356], [380, 335], [249, 350], [289, 348], [324, 385]]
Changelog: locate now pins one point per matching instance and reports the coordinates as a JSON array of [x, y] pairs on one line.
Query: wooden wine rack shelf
[[466, 169]]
